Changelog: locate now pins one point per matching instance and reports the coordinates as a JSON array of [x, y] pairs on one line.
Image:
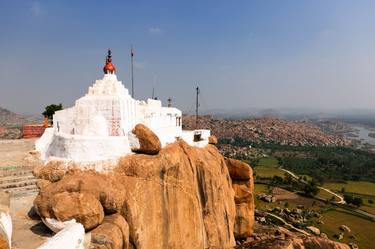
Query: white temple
[[98, 127]]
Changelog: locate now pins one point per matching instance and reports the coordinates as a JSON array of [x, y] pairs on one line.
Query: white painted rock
[[71, 237], [6, 226], [55, 225]]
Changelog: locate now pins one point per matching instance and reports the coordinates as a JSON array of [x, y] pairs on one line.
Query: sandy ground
[[28, 230], [12, 152]]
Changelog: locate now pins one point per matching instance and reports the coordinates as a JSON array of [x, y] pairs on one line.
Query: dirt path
[[341, 199]]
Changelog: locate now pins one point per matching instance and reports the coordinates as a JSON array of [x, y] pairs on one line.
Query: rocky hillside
[[11, 123], [266, 130]]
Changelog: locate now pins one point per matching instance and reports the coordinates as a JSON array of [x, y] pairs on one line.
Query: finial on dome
[[109, 68]]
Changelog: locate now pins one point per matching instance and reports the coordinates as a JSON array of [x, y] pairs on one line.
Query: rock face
[[180, 198], [243, 185], [148, 141]]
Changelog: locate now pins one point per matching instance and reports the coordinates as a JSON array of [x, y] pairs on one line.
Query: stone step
[[14, 179], [6, 173], [10, 185], [22, 191]]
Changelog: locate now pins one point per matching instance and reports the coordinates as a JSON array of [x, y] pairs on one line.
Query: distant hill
[[11, 123], [10, 119]]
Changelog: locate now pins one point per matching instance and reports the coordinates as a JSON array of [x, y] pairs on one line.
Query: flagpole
[[132, 68]]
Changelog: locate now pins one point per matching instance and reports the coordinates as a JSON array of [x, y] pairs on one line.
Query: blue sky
[[243, 54]]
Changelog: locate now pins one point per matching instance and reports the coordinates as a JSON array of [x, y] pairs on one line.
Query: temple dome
[[109, 68]]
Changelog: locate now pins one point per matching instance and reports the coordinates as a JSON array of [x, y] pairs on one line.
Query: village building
[[99, 125]]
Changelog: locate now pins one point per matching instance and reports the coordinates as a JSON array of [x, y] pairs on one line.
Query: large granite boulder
[[148, 140], [180, 198], [212, 140], [113, 233], [239, 170], [243, 185], [83, 207]]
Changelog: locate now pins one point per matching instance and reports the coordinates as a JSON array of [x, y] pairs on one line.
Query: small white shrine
[[98, 127]]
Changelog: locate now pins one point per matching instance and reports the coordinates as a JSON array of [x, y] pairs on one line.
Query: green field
[[268, 167], [364, 188], [324, 195], [362, 229]]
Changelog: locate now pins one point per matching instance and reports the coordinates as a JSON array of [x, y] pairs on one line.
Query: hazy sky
[[267, 54]]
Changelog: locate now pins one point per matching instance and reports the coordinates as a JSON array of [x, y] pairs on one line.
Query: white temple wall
[[87, 148]]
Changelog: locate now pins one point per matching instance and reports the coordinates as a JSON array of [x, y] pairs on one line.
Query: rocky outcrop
[[243, 185], [281, 238], [180, 198], [148, 141]]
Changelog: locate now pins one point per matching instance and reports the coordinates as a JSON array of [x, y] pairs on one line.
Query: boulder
[[212, 139], [148, 140], [180, 198], [42, 184], [243, 185], [113, 233], [83, 207], [243, 192], [243, 226], [345, 228], [239, 170], [313, 230], [106, 236]]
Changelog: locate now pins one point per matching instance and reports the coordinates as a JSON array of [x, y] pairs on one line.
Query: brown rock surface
[[4, 244], [212, 139], [179, 198], [148, 141], [239, 170], [113, 233], [244, 223], [83, 207], [243, 185]]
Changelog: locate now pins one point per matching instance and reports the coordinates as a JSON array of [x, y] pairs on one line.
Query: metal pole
[[132, 68], [196, 108]]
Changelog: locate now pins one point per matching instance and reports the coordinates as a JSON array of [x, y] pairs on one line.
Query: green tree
[[348, 199], [311, 189], [51, 109], [357, 201]]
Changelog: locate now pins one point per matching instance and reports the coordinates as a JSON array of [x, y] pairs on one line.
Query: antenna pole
[[132, 68], [196, 107]]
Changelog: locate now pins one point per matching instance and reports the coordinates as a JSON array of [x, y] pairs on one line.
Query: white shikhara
[[98, 127]]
